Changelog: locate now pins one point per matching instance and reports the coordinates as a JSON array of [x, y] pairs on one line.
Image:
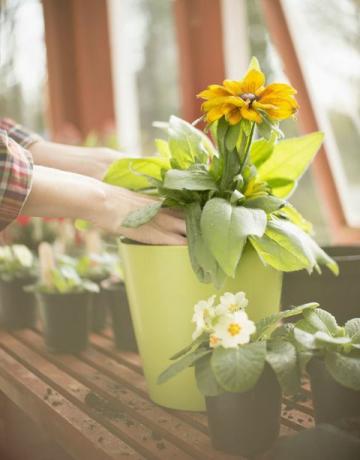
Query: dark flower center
[[248, 97]]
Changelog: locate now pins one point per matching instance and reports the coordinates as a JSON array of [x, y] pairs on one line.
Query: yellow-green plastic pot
[[162, 290]]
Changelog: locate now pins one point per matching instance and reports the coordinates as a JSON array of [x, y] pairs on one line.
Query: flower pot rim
[[129, 242]]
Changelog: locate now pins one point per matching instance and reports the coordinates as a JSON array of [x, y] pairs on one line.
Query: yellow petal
[[234, 87], [213, 91], [254, 64], [234, 116], [250, 114], [253, 80], [278, 88], [214, 114], [283, 110]]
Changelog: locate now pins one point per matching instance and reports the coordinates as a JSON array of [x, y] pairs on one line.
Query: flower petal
[[234, 116], [233, 86], [213, 91], [250, 114], [253, 80]]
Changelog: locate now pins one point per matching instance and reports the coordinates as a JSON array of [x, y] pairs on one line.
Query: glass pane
[[331, 65], [145, 69], [22, 62], [305, 197]]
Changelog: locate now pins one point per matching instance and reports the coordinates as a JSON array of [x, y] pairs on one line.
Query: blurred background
[[101, 71]]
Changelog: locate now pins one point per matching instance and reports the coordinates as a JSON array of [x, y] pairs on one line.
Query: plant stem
[[248, 145]]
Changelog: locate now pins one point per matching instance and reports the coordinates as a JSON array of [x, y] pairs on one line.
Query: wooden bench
[[95, 405]]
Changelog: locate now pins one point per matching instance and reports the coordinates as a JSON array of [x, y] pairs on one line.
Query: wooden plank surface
[[96, 405]]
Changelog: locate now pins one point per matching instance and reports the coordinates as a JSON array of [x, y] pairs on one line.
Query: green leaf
[[231, 167], [345, 369], [323, 339], [261, 150], [238, 369], [142, 216], [225, 229], [291, 248], [266, 326], [352, 328], [321, 320], [267, 203], [292, 214], [283, 359], [191, 179], [205, 377], [131, 173], [232, 136], [222, 128], [193, 344], [182, 364], [289, 160], [305, 339], [188, 145], [163, 148], [203, 262]]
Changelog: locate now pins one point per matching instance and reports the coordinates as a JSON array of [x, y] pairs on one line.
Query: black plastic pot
[[124, 336], [66, 319], [338, 294], [17, 307], [331, 400], [98, 310], [246, 423]]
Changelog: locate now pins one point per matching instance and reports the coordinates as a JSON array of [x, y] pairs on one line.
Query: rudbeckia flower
[[249, 99]]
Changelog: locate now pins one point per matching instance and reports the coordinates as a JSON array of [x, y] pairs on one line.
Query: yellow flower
[[249, 99]]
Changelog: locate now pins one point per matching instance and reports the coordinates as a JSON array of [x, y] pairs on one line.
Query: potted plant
[[241, 368], [340, 295], [65, 304], [116, 299], [17, 269], [242, 232], [331, 354], [96, 265]]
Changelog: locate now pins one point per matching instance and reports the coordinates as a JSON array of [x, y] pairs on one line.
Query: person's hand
[[166, 228], [58, 193], [88, 161]]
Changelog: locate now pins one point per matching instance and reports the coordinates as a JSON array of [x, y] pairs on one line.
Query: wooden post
[[201, 57], [79, 65]]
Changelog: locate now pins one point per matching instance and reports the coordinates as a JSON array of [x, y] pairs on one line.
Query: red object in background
[[23, 220]]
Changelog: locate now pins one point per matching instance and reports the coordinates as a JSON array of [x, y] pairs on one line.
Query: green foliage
[[142, 215], [238, 369], [232, 191], [16, 261], [288, 162], [320, 336]]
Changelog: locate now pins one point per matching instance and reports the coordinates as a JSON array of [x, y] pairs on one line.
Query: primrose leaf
[[352, 328], [323, 338], [225, 229], [282, 357], [238, 369], [345, 369], [191, 179], [142, 216], [305, 339], [322, 321], [182, 364], [134, 173], [205, 377], [289, 160]]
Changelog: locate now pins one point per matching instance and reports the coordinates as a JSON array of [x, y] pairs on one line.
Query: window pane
[[331, 64], [22, 62], [145, 69], [305, 197]]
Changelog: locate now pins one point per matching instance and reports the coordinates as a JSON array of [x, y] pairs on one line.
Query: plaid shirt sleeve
[[16, 167]]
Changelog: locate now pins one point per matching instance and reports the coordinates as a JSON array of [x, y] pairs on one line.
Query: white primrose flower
[[204, 312], [230, 303], [233, 329]]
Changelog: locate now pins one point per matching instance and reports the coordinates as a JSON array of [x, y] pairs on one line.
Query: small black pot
[[66, 319], [246, 423], [17, 307], [98, 310], [122, 325], [331, 400], [338, 294]]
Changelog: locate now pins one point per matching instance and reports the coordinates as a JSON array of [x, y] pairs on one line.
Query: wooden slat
[[130, 430], [116, 383], [61, 419]]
